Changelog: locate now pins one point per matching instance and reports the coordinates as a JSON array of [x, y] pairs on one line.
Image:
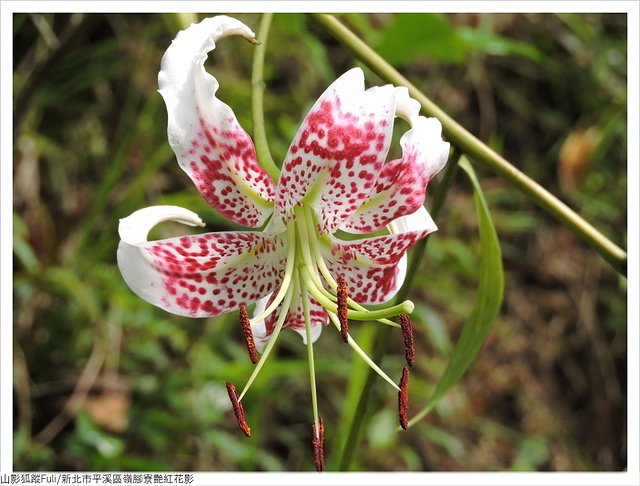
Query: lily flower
[[335, 176]]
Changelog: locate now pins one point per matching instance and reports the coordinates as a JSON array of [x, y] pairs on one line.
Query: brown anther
[[238, 409], [248, 335], [318, 445], [343, 295], [407, 336], [403, 398]]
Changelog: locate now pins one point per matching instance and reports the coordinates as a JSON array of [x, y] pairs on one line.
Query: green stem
[[257, 90], [384, 335], [477, 150]]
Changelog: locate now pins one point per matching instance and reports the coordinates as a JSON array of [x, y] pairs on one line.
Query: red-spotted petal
[[209, 143], [339, 150], [374, 268], [401, 186], [262, 330], [199, 275]]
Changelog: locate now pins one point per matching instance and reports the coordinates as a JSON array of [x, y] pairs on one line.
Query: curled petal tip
[[209, 143], [134, 228]]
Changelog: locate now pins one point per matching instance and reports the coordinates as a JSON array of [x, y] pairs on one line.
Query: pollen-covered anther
[[248, 335], [407, 336], [342, 296], [403, 398], [318, 445], [238, 409]]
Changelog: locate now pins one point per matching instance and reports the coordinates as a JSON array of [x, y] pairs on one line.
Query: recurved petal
[[374, 268], [209, 143], [401, 187], [135, 228], [338, 151], [198, 275], [262, 330], [418, 221]]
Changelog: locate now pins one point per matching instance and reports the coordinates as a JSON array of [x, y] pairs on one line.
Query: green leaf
[[496, 45], [409, 36], [488, 300]]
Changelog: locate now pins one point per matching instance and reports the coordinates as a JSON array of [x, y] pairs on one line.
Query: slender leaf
[[488, 301]]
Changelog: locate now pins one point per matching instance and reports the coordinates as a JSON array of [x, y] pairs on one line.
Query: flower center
[[305, 261]]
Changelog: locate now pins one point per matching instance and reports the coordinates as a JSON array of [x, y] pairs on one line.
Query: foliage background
[[104, 381]]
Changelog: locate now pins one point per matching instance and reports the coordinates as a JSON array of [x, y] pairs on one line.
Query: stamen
[[363, 355], [238, 409], [407, 336], [286, 279], [343, 295], [291, 291], [403, 398], [318, 445], [405, 307], [324, 271], [248, 335], [334, 285]]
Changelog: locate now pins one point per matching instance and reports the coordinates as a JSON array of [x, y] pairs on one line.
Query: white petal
[[197, 275], [135, 228], [420, 220], [209, 143], [338, 151], [258, 328], [401, 187], [406, 107], [316, 330]]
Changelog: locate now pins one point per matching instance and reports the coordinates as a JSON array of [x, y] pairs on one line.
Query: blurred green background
[[105, 381]]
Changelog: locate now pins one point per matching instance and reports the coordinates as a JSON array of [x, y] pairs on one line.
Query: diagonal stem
[[478, 151]]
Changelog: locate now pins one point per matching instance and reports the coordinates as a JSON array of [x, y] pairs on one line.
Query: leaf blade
[[488, 300]]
